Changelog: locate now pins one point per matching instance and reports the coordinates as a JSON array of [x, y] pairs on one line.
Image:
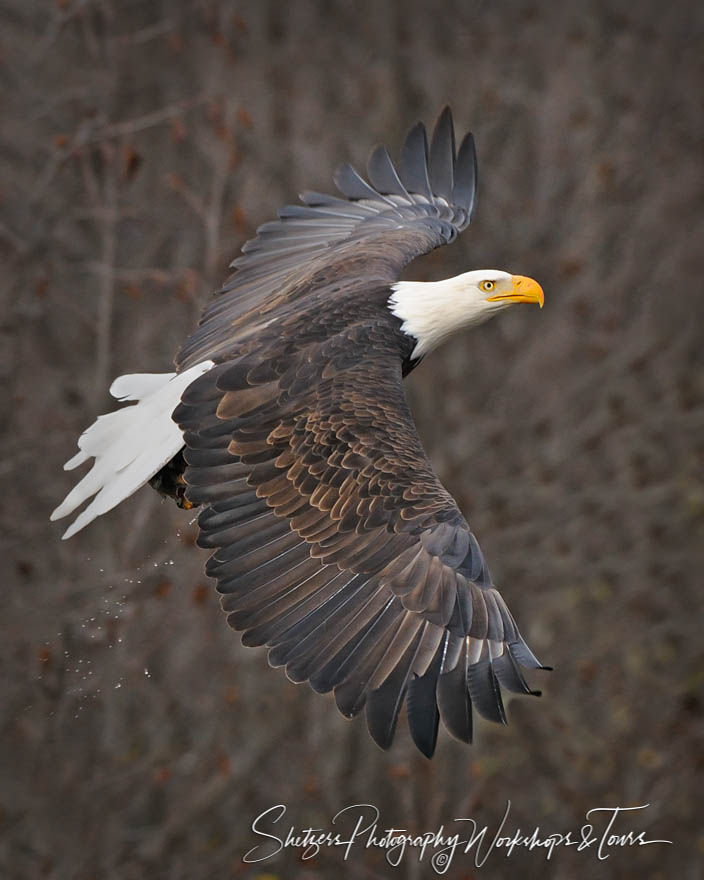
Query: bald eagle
[[332, 540]]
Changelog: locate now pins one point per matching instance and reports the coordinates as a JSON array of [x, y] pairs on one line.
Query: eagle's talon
[[171, 483]]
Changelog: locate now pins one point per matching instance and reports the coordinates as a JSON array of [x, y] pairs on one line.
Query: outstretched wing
[[336, 545], [369, 235]]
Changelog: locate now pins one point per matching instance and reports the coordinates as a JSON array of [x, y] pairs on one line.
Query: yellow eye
[[488, 286]]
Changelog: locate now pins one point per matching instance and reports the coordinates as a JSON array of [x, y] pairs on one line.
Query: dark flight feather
[[414, 162], [384, 703], [464, 191], [383, 175], [423, 713], [442, 156]]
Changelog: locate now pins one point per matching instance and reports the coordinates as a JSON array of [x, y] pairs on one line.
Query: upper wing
[[371, 234], [335, 543]]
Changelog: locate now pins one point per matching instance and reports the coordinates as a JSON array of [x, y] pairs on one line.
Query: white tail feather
[[130, 445]]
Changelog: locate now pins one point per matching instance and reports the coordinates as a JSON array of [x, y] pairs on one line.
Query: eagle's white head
[[432, 310]]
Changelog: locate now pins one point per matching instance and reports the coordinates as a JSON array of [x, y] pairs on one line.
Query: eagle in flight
[[332, 540]]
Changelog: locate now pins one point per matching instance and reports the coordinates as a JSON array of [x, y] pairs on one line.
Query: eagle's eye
[[487, 286]]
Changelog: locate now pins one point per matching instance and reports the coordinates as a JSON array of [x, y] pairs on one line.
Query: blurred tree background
[[142, 142]]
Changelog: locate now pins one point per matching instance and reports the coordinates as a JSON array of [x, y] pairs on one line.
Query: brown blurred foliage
[[142, 143]]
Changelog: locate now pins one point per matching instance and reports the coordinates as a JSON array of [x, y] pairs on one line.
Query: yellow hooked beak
[[525, 290]]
